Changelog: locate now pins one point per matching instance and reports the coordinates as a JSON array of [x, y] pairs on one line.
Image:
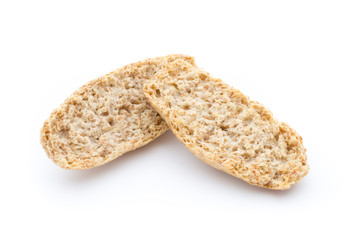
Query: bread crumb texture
[[226, 129], [105, 118]]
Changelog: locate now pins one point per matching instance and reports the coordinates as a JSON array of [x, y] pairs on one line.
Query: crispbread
[[105, 118], [226, 129]]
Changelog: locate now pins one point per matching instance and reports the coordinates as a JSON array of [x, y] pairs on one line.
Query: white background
[[301, 59]]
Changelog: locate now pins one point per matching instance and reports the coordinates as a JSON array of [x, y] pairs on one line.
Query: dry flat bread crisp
[[226, 129], [105, 118]]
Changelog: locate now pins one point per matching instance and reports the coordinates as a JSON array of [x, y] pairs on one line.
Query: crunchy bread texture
[[226, 129], [105, 118]]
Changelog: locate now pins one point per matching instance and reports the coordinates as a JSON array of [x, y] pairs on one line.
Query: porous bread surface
[[105, 118], [226, 129]]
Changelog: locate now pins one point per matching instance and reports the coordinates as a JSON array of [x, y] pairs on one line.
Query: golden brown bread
[[105, 118], [225, 129]]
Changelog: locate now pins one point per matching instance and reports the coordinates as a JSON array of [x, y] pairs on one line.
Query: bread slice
[[226, 129], [105, 118]]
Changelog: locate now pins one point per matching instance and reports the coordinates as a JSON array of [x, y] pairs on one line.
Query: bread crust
[[105, 118], [225, 129]]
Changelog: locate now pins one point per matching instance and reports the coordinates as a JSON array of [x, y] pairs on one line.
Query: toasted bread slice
[[105, 118], [226, 129]]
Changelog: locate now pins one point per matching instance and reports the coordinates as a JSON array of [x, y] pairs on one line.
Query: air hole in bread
[[175, 86], [110, 120], [134, 101], [63, 133], [289, 147], [277, 137], [247, 156], [186, 107], [172, 74], [247, 121], [69, 161], [158, 120], [267, 184], [47, 136], [123, 110], [239, 110], [224, 128], [190, 132]]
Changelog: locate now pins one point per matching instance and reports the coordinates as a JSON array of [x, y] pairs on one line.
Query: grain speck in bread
[[226, 129], [105, 118]]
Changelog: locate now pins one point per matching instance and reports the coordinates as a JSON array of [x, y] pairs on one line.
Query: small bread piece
[[105, 118], [225, 129]]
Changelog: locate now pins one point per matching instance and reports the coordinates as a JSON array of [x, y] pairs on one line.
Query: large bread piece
[[105, 118], [226, 129]]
